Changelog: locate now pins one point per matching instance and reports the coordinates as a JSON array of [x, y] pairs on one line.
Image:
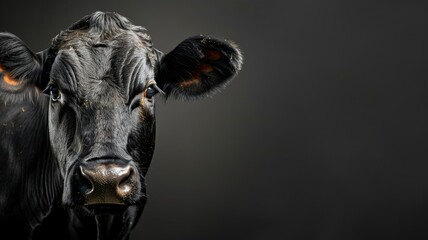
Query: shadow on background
[[322, 135]]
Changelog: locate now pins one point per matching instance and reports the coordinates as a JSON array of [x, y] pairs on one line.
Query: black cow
[[77, 123]]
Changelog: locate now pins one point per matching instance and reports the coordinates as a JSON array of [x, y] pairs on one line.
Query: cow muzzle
[[108, 182]]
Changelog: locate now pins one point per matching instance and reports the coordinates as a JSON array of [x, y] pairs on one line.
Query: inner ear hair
[[190, 82], [212, 55]]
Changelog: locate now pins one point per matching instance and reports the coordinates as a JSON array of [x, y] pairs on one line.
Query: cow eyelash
[[155, 86]]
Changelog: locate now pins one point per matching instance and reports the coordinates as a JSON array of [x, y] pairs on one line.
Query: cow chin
[[103, 186]]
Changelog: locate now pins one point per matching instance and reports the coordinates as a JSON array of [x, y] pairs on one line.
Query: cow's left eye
[[150, 92]]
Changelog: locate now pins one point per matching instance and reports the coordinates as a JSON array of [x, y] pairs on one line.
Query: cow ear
[[19, 66], [198, 66]]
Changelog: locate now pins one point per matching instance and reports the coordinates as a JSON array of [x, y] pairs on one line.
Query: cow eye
[[150, 92], [55, 94]]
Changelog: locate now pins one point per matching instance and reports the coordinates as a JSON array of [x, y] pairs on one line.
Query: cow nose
[[108, 183]]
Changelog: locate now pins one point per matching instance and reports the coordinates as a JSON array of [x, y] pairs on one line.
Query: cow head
[[102, 76]]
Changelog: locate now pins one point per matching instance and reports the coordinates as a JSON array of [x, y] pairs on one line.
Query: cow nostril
[[126, 183], [86, 184]]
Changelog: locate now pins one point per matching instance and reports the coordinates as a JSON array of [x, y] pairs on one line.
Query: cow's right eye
[[52, 91], [55, 94]]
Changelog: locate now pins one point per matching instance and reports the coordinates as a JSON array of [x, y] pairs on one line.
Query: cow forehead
[[121, 61], [102, 48]]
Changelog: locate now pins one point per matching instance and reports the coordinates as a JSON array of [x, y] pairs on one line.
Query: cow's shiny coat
[[74, 156]]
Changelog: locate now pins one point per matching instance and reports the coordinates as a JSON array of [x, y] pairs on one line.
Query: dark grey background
[[323, 134]]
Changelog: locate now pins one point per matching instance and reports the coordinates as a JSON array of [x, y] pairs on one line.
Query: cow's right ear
[[19, 66]]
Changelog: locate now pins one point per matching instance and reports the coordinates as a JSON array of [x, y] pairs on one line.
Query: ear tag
[[7, 79]]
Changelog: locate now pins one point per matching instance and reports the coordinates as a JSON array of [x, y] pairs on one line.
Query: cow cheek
[[58, 142], [141, 139]]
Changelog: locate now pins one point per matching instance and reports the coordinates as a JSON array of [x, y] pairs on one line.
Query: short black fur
[[99, 64]]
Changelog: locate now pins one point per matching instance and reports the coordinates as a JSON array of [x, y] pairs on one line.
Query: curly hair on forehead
[[97, 29], [101, 26]]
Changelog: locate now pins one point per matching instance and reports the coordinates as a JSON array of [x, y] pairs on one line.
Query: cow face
[[101, 115], [102, 76]]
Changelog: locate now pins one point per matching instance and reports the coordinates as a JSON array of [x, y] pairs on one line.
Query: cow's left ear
[[198, 66], [19, 66]]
